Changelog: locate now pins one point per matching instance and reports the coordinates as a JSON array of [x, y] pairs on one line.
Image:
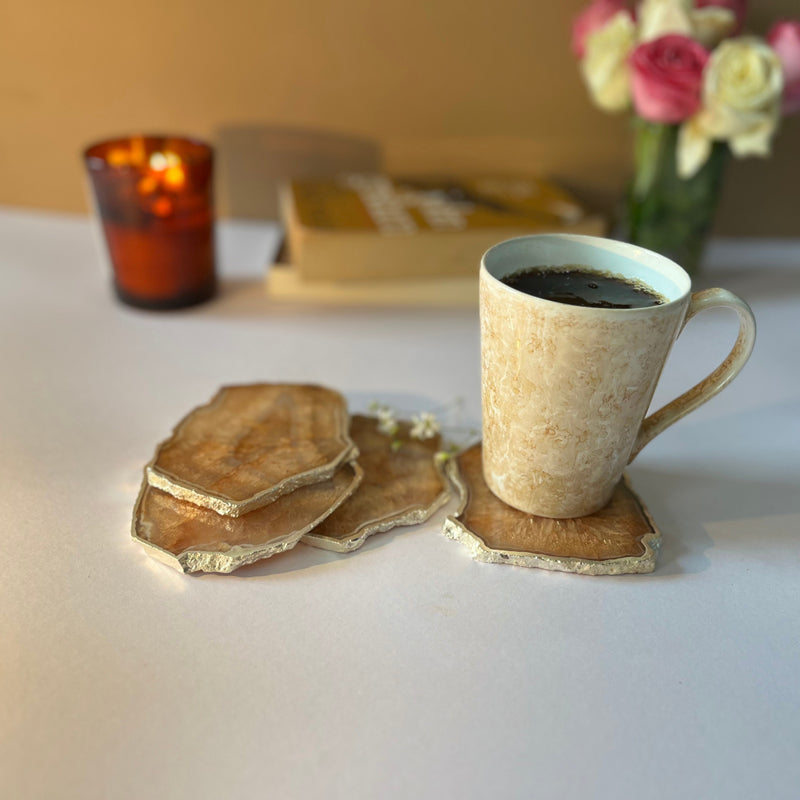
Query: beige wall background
[[308, 86]]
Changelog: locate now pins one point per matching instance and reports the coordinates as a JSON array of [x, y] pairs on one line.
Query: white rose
[[742, 88], [605, 62], [660, 17], [708, 25], [712, 24]]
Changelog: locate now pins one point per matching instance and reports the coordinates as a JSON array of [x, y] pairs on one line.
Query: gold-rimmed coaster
[[194, 539], [252, 444], [403, 485], [621, 538]]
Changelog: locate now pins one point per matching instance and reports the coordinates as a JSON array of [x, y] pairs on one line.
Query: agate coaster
[[620, 538], [252, 444], [195, 539], [402, 486]]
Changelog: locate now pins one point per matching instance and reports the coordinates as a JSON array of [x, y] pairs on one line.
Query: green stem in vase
[[650, 142], [664, 212]]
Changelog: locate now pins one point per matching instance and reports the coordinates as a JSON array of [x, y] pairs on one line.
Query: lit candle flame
[[173, 174], [118, 157], [174, 177], [166, 173]]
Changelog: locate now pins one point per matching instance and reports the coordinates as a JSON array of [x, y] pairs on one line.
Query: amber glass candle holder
[[155, 201]]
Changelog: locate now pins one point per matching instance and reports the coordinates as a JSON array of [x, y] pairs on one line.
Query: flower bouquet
[[699, 90]]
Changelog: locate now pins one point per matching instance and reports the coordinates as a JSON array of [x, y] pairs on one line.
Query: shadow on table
[[305, 557], [240, 297], [685, 505], [246, 298]]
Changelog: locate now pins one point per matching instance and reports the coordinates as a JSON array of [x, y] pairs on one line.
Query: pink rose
[[667, 77], [784, 39], [592, 18], [739, 8]]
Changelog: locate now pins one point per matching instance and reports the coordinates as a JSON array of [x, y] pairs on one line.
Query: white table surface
[[405, 670]]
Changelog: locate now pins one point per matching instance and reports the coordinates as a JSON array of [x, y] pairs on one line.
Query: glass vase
[[664, 212]]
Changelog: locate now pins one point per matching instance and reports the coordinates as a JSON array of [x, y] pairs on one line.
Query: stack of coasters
[[620, 538], [262, 467]]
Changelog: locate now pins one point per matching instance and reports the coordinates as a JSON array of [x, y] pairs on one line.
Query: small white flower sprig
[[387, 421], [425, 425]]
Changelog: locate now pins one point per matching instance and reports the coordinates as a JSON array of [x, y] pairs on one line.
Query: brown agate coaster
[[620, 538], [401, 486], [195, 539], [252, 444]]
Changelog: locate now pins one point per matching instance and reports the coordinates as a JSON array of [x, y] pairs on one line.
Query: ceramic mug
[[565, 388]]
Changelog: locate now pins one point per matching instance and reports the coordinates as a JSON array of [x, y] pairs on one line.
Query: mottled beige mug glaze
[[565, 389]]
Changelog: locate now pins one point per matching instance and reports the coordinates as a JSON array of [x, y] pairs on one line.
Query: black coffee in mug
[[579, 285]]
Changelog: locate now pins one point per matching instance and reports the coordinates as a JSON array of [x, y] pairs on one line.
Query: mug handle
[[718, 379]]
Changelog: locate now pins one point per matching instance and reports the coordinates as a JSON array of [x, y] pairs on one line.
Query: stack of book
[[384, 240]]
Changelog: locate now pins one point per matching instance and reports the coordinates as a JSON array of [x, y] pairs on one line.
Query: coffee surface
[[578, 285]]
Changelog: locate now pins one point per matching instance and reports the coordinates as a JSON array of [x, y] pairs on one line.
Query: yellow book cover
[[376, 226]]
